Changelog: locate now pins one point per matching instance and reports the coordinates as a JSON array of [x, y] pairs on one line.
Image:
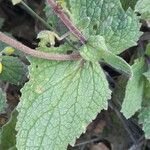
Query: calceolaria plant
[[67, 85]]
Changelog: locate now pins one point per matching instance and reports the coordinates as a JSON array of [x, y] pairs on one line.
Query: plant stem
[[59, 57], [64, 18], [87, 142], [30, 11]]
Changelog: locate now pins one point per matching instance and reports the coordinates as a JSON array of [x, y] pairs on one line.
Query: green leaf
[[128, 3], [108, 19], [144, 118], [147, 75], [13, 70], [62, 49], [148, 49], [2, 101], [58, 102], [117, 63], [16, 2], [147, 90], [2, 45], [96, 50], [65, 6], [8, 135], [143, 7], [134, 90], [84, 23], [144, 115]]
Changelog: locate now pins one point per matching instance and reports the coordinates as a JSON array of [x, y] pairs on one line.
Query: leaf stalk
[[18, 45], [64, 18]]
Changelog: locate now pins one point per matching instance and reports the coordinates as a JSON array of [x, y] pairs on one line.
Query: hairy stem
[[60, 57], [64, 18]]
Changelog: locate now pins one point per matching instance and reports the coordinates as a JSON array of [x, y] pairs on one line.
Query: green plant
[[66, 91]]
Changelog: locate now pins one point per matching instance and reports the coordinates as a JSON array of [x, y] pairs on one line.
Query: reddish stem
[[64, 18], [60, 57]]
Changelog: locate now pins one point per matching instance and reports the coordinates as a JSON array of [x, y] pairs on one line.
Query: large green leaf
[[134, 90], [8, 135], [108, 19], [2, 101], [58, 102], [96, 50], [13, 70], [143, 7], [144, 118]]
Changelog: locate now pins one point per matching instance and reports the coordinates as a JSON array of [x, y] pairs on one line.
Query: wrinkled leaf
[[134, 89], [96, 50], [108, 19], [8, 135], [84, 23], [62, 49], [128, 3], [2, 101], [58, 102], [2, 45], [143, 7], [13, 70]]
